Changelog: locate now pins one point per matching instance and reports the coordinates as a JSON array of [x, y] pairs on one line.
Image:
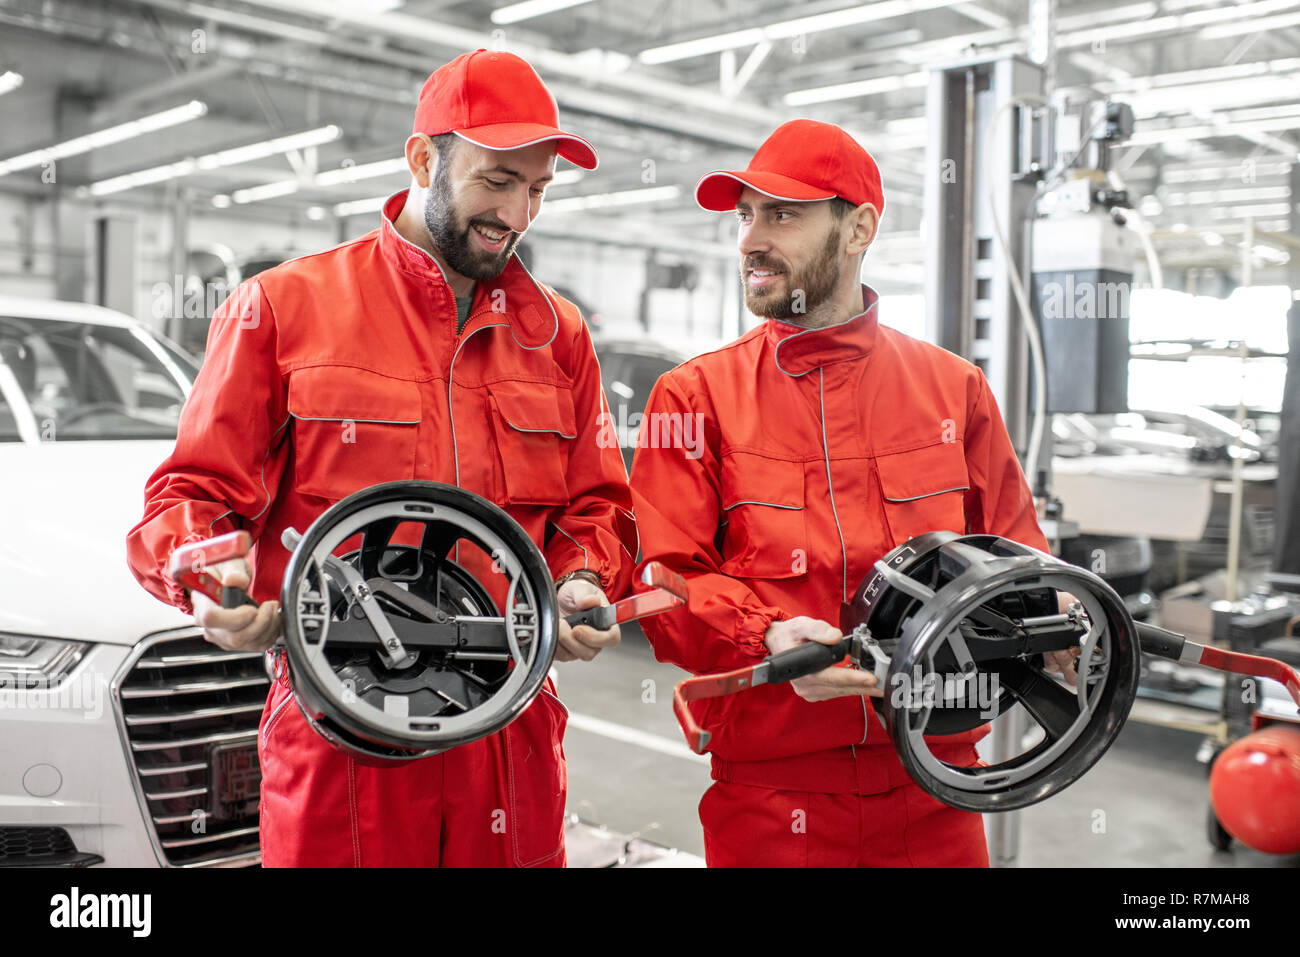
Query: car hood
[[65, 509]]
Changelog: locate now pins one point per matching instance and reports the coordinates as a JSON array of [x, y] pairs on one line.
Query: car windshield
[[71, 381]]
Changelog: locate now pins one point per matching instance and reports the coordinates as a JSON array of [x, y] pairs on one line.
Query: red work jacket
[[340, 370], [809, 454]]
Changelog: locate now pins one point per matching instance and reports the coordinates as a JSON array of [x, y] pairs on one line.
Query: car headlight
[[31, 663]]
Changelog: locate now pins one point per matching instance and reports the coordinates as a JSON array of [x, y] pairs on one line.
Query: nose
[[516, 212], [752, 239]]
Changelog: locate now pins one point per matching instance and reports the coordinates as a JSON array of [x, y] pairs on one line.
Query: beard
[[816, 280], [451, 235]]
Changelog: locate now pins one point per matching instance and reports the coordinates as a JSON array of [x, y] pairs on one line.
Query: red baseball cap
[[802, 160], [495, 100]]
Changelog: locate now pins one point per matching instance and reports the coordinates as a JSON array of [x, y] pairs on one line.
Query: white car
[[125, 739]]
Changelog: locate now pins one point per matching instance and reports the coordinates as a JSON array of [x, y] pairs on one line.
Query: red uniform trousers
[[748, 826], [497, 802]]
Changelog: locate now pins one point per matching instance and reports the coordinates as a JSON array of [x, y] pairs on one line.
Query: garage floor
[[631, 772]]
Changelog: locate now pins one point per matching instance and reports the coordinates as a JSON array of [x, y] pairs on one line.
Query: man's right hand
[[236, 629], [833, 682]]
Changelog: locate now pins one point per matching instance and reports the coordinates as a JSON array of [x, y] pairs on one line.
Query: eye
[[742, 216], [497, 183], [538, 192], [784, 214]]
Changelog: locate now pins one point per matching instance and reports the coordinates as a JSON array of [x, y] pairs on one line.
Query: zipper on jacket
[[830, 487], [451, 408]]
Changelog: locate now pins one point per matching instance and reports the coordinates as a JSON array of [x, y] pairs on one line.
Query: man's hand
[[1063, 661], [833, 682], [236, 629], [584, 642]]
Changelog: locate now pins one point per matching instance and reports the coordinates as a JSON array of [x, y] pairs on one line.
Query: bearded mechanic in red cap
[[423, 350], [829, 439]]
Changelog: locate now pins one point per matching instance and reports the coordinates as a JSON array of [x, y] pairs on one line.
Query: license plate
[[236, 780]]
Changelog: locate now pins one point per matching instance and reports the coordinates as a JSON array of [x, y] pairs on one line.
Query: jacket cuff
[[753, 628]]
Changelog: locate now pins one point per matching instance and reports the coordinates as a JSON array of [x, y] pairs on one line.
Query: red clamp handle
[[190, 562]]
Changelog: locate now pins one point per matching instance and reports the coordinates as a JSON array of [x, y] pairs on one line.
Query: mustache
[[763, 262], [493, 224]]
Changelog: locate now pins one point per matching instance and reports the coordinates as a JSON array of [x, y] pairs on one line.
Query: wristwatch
[[586, 574]]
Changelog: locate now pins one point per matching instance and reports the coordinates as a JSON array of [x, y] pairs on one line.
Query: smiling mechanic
[[829, 439], [423, 350]]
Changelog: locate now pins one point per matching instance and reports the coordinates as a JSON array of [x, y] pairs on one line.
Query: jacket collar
[[513, 298], [800, 351]]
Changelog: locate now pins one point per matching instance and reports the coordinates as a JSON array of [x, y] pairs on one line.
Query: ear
[[863, 223], [421, 158]]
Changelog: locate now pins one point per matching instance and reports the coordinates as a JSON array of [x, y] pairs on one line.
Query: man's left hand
[[584, 642]]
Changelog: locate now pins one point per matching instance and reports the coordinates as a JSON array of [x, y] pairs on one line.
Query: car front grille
[[189, 714]]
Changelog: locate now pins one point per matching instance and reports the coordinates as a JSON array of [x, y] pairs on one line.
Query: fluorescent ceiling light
[[230, 157], [532, 8], [326, 178], [356, 206], [350, 174], [787, 29], [268, 191], [1010, 39], [845, 91], [1264, 113], [566, 177], [145, 177], [271, 147], [627, 197], [1257, 25], [1237, 18], [1217, 95], [105, 137], [1207, 197], [1257, 168], [1258, 211], [1209, 131], [9, 81], [260, 25], [1133, 85]]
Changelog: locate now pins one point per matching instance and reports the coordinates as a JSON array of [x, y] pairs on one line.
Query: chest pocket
[[763, 506], [924, 490], [352, 428], [534, 426]]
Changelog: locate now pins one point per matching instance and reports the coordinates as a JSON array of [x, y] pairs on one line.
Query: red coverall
[[340, 370], [821, 451]]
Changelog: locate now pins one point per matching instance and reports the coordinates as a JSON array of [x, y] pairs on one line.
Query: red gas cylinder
[[1255, 789]]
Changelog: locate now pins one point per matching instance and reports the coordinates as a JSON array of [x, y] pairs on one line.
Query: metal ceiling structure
[[666, 89]]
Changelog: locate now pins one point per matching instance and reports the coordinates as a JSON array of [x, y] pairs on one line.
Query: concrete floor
[[630, 772]]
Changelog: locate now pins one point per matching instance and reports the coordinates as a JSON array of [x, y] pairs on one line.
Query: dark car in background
[[629, 369]]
